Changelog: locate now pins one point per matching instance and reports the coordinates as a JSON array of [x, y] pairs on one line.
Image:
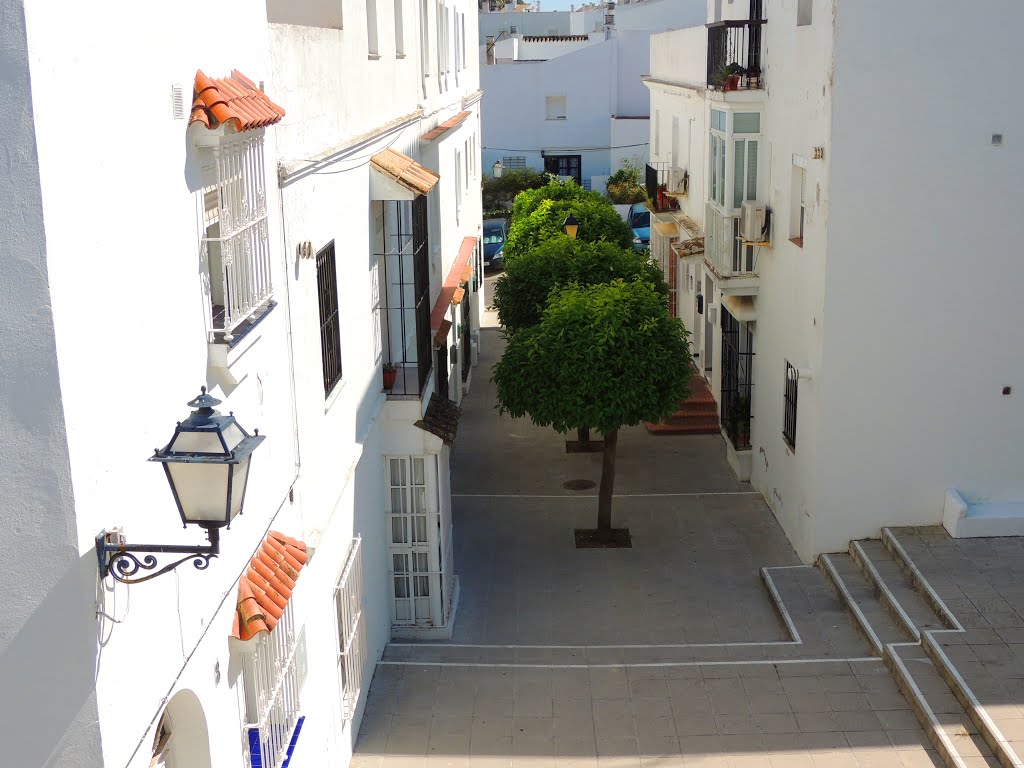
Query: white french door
[[412, 508]]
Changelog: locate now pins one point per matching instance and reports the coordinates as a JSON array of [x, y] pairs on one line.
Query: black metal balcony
[[734, 55]]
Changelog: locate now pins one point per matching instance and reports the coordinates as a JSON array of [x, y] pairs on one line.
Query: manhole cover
[[578, 484]]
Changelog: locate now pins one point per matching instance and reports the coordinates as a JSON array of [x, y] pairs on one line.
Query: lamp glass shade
[[204, 442], [239, 478], [571, 226], [497, 169], [201, 490], [233, 435]]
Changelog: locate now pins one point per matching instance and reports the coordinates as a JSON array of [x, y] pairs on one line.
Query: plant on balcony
[[390, 375], [727, 77], [605, 356], [738, 427]]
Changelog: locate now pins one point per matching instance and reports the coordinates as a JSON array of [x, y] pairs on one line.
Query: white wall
[[529, 50], [47, 642], [542, 23], [680, 56], [921, 318], [632, 62], [659, 14]]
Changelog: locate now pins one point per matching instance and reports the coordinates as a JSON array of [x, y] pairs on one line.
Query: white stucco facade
[[896, 402], [572, 104], [110, 319]]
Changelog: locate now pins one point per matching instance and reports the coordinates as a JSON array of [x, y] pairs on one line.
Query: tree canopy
[[602, 356], [529, 199], [521, 293], [499, 192], [597, 219]]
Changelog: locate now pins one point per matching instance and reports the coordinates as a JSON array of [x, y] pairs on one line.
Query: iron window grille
[[464, 341], [442, 371], [348, 603], [403, 304], [737, 379], [789, 419], [270, 675], [330, 324], [235, 241], [513, 162]]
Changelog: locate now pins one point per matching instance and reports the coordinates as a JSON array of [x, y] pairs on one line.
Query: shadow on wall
[[48, 711]]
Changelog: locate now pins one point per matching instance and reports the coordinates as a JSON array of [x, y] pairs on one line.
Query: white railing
[[237, 248], [271, 681], [348, 598], [722, 248]]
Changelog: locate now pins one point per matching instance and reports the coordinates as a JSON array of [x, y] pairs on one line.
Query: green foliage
[[598, 221], [498, 193], [602, 356], [521, 293], [529, 200], [626, 185]]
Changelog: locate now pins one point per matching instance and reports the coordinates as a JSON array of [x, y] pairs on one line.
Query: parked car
[[495, 232], [639, 220]]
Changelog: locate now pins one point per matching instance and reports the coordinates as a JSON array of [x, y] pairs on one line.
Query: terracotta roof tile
[[458, 296], [443, 128], [265, 588], [234, 100], [441, 418], [442, 333], [462, 267], [405, 171]]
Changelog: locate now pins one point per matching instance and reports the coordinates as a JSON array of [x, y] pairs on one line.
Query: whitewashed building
[[296, 189], [571, 101], [846, 287]]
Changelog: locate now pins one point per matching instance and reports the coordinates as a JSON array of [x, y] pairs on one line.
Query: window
[[789, 420], [564, 165], [675, 142], [803, 12], [513, 161], [424, 45], [462, 35], [371, 27], [399, 30], [458, 183], [732, 175], [456, 46], [403, 313], [348, 604], [270, 677], [330, 326], [235, 242], [796, 207], [467, 163], [555, 106]]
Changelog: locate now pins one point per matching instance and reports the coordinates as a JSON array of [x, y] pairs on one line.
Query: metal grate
[[330, 326], [737, 379], [464, 340], [512, 162], [348, 602], [789, 420]]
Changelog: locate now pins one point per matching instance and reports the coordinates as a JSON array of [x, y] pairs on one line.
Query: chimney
[[490, 49]]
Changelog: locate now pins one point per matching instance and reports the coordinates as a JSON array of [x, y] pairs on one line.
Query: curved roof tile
[[235, 99], [265, 588]]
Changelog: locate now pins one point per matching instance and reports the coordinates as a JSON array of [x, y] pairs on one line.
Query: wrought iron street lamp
[[207, 466], [497, 169], [571, 226]]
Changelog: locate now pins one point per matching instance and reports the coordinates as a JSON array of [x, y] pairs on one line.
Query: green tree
[[626, 185], [598, 221], [605, 356], [499, 192], [529, 200], [521, 293]]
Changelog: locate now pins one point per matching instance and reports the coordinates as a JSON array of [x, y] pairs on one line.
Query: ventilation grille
[[177, 102]]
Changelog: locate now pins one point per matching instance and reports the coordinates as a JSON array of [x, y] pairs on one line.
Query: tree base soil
[[593, 538], [590, 446]]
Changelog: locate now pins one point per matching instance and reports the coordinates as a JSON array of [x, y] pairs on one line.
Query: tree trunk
[[604, 506], [583, 436]]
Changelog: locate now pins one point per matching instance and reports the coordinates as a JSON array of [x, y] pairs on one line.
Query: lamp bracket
[[118, 558]]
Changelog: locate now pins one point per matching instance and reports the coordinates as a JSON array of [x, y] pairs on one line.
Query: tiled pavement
[[677, 652]]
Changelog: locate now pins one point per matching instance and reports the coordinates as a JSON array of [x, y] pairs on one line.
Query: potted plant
[[742, 416], [733, 71], [390, 375]]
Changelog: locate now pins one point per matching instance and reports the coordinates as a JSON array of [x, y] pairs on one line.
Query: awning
[[436, 133], [461, 272], [398, 177], [666, 228], [743, 308]]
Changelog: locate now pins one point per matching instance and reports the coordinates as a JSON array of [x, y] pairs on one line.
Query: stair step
[[697, 409], [860, 598], [898, 590], [695, 428], [946, 723]]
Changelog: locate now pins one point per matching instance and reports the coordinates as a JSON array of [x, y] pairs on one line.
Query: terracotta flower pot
[[390, 377]]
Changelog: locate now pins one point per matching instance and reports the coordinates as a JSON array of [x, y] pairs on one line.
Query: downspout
[[293, 390]]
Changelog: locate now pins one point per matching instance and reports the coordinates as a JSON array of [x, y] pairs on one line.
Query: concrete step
[[697, 427], [947, 724], [689, 408], [859, 597], [896, 587]]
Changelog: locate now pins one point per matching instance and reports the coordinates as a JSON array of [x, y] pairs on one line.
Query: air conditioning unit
[[754, 222], [679, 180]]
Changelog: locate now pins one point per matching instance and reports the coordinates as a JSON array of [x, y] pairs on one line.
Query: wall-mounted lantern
[[207, 467], [571, 226], [497, 169]]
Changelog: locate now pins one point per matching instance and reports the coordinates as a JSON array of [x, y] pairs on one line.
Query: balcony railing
[[722, 247], [656, 181], [734, 55]]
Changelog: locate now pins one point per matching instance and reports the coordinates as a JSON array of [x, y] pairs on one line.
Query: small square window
[[803, 12], [555, 106]]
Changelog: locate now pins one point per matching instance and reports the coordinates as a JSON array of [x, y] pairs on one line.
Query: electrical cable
[[562, 150]]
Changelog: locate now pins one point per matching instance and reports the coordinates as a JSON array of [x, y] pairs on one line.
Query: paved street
[[706, 644]]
